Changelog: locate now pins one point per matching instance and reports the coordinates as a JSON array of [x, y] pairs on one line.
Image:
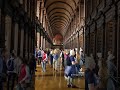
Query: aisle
[[50, 80]]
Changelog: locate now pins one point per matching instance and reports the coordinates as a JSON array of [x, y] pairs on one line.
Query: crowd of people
[[68, 60], [18, 72], [15, 71], [71, 61]]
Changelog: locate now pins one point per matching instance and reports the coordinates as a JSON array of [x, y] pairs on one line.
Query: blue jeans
[[43, 66]]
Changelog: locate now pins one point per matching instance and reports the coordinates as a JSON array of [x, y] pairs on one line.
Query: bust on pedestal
[[102, 72], [111, 71]]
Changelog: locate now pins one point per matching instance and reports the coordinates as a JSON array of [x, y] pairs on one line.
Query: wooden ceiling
[[59, 13]]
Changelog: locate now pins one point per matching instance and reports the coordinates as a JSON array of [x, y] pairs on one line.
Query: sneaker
[[73, 86], [69, 86]]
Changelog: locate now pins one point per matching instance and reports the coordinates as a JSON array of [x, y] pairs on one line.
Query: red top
[[44, 57], [22, 72]]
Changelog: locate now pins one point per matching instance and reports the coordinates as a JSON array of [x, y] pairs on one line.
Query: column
[[22, 42], [83, 45], [78, 44], [30, 52], [8, 32], [2, 30], [44, 26], [38, 11], [33, 41], [41, 42], [72, 42], [0, 17], [2, 24], [41, 12], [35, 36], [46, 44], [19, 36], [38, 40], [16, 37], [26, 45]]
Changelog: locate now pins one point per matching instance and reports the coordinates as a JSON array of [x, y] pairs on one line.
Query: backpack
[[39, 53], [68, 61], [56, 57], [10, 65]]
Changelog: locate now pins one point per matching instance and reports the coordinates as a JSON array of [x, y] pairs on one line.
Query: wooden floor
[[51, 80]]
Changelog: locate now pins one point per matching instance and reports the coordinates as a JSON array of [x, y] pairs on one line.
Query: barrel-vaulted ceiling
[[59, 13]]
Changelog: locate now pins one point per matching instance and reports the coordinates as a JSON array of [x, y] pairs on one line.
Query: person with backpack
[[3, 68], [10, 71], [70, 69], [39, 54]]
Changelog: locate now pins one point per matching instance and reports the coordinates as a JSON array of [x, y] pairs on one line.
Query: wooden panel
[[86, 44], [110, 14], [0, 18], [99, 40], [81, 41], [118, 48], [118, 39], [109, 36], [108, 2], [92, 43]]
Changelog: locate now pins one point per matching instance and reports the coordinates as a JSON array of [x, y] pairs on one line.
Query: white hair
[[72, 52]]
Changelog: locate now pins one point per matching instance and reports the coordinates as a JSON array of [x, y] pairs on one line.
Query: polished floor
[[51, 80]]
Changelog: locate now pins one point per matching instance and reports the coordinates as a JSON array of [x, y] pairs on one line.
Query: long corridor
[[51, 80], [78, 32]]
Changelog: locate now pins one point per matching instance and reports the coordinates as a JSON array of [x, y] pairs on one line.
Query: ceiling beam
[[45, 2], [62, 13], [56, 2], [59, 8], [60, 18]]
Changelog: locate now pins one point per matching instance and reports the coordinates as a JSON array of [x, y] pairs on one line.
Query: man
[[39, 53], [62, 60], [11, 71]]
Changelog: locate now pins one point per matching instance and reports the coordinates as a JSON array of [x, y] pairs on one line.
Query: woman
[[112, 70], [51, 58], [24, 75], [66, 57], [44, 60], [55, 59], [70, 69], [90, 77]]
